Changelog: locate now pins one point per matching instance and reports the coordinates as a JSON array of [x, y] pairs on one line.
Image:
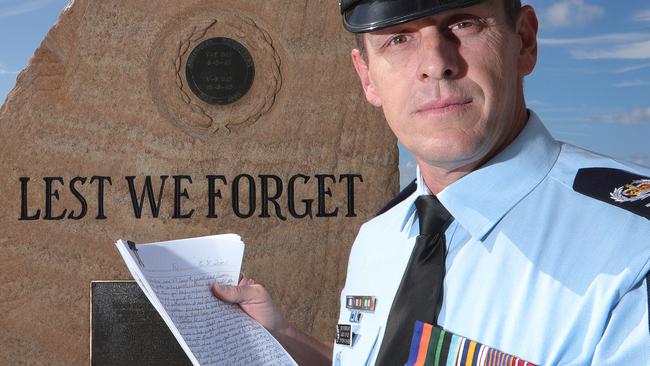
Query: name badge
[[360, 302], [344, 334]]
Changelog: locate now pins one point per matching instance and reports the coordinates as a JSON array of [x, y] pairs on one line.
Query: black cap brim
[[372, 15]]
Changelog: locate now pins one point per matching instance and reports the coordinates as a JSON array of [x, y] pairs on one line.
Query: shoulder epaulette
[[400, 197], [617, 187]]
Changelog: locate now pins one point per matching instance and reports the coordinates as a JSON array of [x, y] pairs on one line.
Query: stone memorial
[[160, 120]]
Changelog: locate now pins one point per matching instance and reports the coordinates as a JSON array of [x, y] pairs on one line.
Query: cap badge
[[636, 191]]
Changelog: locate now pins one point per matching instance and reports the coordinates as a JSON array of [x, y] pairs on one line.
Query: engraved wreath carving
[[171, 90]]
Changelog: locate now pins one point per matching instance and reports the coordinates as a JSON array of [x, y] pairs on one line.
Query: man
[[544, 247]]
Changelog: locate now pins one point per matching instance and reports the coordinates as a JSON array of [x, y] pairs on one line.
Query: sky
[[591, 85]]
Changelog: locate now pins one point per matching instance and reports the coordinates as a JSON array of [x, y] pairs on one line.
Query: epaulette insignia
[[617, 187]]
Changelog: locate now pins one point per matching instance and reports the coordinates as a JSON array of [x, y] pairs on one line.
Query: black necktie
[[419, 296]]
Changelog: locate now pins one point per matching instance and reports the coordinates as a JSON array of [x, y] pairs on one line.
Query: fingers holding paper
[[255, 301]]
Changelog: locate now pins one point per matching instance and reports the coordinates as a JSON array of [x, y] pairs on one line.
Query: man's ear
[[527, 33], [361, 66]]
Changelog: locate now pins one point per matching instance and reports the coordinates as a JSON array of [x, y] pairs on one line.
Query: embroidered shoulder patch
[[617, 187]]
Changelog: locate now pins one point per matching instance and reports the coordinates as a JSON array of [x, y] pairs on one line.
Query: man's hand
[[255, 301]]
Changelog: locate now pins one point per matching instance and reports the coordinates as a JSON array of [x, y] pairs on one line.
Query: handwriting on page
[[206, 322]]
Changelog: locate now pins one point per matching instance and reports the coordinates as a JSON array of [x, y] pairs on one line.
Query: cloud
[[601, 70], [571, 13], [634, 116], [631, 83], [623, 70], [602, 38], [5, 71], [620, 46], [632, 51], [21, 7], [643, 16]]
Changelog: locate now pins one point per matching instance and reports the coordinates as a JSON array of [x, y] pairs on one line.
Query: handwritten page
[[176, 277]]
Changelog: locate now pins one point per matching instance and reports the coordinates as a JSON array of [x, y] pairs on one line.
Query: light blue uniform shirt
[[534, 269]]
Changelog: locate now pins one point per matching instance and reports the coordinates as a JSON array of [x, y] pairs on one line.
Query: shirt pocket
[[362, 347]]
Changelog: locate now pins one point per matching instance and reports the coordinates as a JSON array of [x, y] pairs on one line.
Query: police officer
[[509, 246]]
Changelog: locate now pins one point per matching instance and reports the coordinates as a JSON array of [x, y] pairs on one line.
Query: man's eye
[[462, 25], [466, 26], [397, 39]]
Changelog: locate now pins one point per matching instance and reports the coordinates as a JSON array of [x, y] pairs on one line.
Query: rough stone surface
[[105, 95]]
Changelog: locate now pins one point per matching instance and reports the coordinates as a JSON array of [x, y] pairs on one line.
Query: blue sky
[[591, 86]]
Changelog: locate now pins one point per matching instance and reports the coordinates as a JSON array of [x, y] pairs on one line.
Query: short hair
[[511, 8]]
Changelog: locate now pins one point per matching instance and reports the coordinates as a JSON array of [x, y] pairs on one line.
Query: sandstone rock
[[106, 95]]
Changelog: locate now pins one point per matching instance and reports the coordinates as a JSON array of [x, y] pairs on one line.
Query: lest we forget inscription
[[162, 120]]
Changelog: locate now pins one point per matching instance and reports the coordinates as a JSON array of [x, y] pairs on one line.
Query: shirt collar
[[514, 173]]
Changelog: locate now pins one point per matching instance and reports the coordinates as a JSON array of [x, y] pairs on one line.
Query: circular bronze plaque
[[220, 70]]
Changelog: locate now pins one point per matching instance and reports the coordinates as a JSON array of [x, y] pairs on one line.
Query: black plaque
[[126, 329], [220, 70]]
